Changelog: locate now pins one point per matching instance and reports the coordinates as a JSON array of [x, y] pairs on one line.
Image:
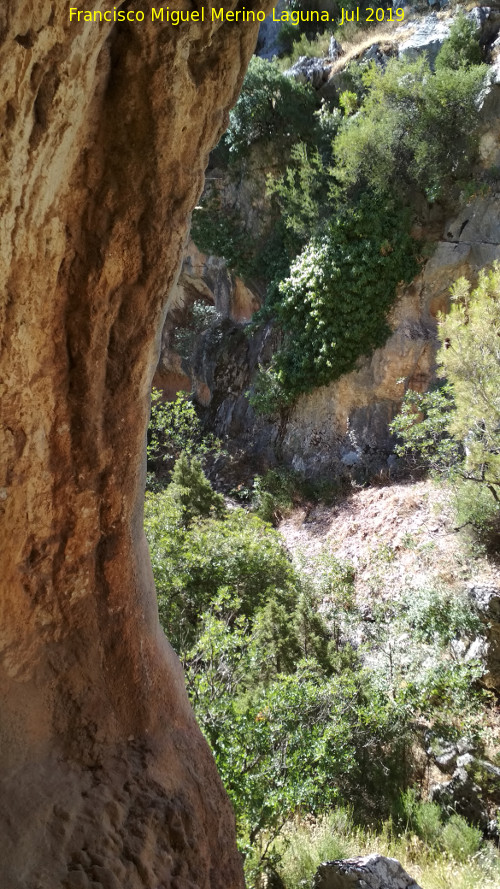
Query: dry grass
[[309, 842], [353, 38], [386, 35]]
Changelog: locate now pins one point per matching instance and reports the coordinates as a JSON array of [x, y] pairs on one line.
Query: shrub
[[301, 191], [460, 839], [175, 428], [191, 494], [440, 615], [334, 304], [470, 358], [201, 316], [459, 433], [422, 427], [304, 742], [271, 108], [414, 129], [193, 560], [422, 816], [462, 48]]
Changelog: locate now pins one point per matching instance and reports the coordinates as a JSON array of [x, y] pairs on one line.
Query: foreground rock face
[[370, 872], [105, 778]]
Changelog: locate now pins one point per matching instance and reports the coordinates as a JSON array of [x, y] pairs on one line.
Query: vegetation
[[271, 109], [337, 239], [315, 706], [462, 49], [424, 854], [415, 129], [174, 429], [334, 304], [455, 429], [300, 720]]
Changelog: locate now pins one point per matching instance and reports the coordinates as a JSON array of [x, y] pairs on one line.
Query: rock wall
[[105, 133], [344, 426], [346, 423], [204, 280]]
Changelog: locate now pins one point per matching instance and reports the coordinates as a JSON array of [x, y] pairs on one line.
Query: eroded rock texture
[[104, 137]]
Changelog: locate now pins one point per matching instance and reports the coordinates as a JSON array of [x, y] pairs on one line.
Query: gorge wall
[[105, 133], [344, 427]]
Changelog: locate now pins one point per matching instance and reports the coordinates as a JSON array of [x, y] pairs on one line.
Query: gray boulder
[[427, 38], [446, 761], [461, 795], [310, 70], [334, 50], [370, 872], [487, 602], [487, 22], [352, 458], [375, 54]]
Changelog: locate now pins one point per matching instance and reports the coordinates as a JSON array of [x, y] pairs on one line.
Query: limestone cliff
[[345, 426], [105, 133]]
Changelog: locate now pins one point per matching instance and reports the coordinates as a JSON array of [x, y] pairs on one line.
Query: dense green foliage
[[174, 428], [195, 553], [334, 304], [271, 109], [298, 719], [336, 242], [462, 48], [415, 129]]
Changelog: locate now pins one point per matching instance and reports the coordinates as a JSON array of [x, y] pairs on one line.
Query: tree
[[415, 129], [470, 358], [272, 108], [191, 493], [455, 430], [175, 428], [462, 48]]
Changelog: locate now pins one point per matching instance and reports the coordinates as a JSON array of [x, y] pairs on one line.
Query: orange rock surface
[[105, 130]]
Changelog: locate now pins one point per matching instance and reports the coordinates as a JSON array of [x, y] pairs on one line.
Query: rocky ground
[[401, 536], [390, 534]]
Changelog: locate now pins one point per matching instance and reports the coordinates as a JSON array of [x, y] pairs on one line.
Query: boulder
[[486, 21], [487, 602], [462, 795], [427, 38], [375, 54], [370, 872], [334, 50], [447, 760], [310, 70]]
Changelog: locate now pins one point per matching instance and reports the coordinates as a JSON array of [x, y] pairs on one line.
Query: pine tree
[[191, 492]]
